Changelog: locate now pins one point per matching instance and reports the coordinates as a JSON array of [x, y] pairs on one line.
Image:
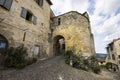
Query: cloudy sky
[[104, 18]]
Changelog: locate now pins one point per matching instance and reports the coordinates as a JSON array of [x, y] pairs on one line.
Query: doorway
[[59, 45], [3, 48], [36, 51]]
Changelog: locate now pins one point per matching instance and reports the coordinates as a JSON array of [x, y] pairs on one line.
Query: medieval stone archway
[[3, 47], [59, 45]]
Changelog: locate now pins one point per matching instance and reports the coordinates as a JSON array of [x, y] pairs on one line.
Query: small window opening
[[24, 36], [29, 16], [59, 21], [113, 56], [119, 56]]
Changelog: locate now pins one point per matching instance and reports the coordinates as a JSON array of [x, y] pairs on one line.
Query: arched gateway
[[3, 47], [59, 45]]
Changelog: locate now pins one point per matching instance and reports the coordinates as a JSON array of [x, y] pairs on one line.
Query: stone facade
[[113, 49], [75, 29], [18, 30], [35, 25]]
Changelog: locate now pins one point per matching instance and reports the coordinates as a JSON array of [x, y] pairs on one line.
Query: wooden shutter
[[8, 4], [23, 13], [34, 20], [2, 2], [41, 2]]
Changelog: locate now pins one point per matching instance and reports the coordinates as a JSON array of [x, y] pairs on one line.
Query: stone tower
[[74, 28]]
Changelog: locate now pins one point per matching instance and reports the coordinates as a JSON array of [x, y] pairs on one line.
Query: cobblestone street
[[53, 69]]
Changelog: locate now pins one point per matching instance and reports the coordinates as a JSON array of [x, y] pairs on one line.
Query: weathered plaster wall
[[13, 26], [75, 28], [113, 48]]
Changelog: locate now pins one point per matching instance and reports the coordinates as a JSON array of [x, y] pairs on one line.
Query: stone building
[[33, 23], [113, 50], [74, 28], [25, 22]]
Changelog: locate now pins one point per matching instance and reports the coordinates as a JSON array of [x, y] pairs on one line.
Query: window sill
[[28, 21], [4, 8]]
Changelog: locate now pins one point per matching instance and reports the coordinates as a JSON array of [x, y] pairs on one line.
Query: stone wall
[[113, 49], [75, 28], [13, 27], [117, 51]]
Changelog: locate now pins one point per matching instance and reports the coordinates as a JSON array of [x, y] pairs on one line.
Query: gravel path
[[53, 69]]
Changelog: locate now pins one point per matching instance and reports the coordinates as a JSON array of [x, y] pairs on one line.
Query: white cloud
[[111, 25], [104, 20], [80, 5], [96, 22], [106, 7], [63, 6], [110, 38]]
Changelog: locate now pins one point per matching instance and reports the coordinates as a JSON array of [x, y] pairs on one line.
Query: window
[[39, 2], [113, 56], [2, 45], [59, 21], [111, 46], [28, 16], [119, 56], [6, 4], [24, 36]]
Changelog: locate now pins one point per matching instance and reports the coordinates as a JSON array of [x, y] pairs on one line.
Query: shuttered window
[[39, 2], [35, 20], [6, 4], [2, 2], [23, 12], [28, 16]]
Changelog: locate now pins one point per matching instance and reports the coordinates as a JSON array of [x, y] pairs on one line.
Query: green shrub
[[76, 61], [67, 56], [96, 69], [103, 66], [20, 65], [80, 62], [16, 57], [108, 65]]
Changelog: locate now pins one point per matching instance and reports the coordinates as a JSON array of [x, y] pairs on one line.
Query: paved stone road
[[53, 69]]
